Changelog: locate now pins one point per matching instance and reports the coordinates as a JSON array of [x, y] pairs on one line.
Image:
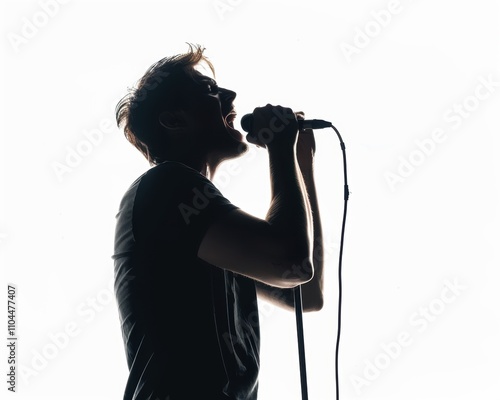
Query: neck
[[205, 165], [211, 167]]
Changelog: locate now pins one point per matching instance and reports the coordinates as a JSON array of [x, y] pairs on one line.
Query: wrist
[[282, 153], [307, 172], [306, 164]]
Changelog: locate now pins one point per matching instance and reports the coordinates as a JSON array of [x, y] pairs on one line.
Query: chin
[[230, 143]]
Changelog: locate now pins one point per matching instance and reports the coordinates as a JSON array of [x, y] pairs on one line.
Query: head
[[176, 113]]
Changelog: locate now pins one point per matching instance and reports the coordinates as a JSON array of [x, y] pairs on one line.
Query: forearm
[[312, 291], [289, 212]]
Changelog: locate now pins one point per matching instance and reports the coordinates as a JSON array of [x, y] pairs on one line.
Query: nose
[[226, 94]]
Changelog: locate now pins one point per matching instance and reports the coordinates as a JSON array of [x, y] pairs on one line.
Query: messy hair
[[138, 111]]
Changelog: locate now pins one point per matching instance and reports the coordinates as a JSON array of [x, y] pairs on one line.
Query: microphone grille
[[247, 122]]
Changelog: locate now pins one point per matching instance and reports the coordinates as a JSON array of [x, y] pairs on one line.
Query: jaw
[[214, 159], [214, 138], [229, 145]]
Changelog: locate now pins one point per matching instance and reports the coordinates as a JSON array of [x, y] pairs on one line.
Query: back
[[190, 329]]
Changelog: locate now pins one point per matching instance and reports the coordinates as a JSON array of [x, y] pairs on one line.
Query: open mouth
[[229, 121], [229, 118]]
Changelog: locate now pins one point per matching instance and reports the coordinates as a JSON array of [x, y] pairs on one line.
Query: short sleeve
[[200, 205], [181, 201]]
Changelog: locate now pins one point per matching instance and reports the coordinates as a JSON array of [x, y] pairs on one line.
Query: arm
[[267, 250], [312, 291]]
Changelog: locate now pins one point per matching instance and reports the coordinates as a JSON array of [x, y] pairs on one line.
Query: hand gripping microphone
[[247, 122]]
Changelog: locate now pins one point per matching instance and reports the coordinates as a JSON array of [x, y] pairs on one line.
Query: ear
[[171, 120]]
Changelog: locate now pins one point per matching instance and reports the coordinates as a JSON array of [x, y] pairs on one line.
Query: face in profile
[[212, 112]]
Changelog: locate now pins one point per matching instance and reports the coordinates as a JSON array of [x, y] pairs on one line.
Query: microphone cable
[[341, 251]]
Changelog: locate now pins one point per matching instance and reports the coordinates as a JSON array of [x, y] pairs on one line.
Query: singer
[[189, 264]]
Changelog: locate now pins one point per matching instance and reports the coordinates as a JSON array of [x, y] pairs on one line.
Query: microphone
[[247, 122]]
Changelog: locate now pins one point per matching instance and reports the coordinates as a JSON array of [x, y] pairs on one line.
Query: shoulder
[[172, 169], [171, 176], [173, 183]]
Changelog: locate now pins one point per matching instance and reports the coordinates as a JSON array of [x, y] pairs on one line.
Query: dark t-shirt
[[190, 329]]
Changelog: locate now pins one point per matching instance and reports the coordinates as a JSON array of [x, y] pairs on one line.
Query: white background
[[386, 79]]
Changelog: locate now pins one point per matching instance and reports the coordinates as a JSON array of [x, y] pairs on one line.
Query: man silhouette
[[189, 264]]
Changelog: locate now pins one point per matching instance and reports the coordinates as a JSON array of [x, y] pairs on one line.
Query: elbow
[[292, 263], [297, 271], [315, 306]]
